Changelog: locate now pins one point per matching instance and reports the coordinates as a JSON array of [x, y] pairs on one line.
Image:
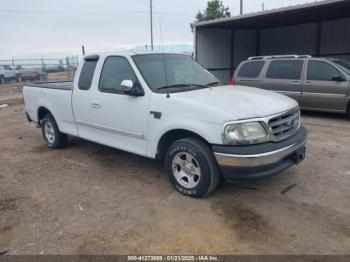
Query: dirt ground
[[91, 199]]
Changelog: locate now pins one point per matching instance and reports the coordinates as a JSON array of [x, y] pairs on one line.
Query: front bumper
[[257, 161]]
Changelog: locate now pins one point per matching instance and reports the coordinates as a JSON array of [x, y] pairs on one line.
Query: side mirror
[[338, 78], [127, 86]]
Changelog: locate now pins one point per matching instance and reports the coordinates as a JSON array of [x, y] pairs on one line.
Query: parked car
[[55, 69], [24, 74], [6, 74], [166, 106], [321, 84]]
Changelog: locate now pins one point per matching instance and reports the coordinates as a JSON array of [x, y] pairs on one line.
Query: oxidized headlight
[[244, 133]]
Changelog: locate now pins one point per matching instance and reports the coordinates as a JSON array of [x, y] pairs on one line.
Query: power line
[[92, 12]]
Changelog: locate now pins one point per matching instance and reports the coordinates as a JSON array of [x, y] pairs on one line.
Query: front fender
[[210, 132]]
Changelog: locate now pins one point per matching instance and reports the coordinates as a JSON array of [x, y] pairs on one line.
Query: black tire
[[202, 157], [59, 139], [2, 80]]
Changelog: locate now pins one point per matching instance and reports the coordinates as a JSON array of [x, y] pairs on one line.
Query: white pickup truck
[[167, 106]]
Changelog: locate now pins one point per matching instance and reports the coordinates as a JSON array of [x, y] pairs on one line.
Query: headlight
[[244, 133]]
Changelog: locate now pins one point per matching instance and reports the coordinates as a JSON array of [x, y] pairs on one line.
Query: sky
[[49, 28]]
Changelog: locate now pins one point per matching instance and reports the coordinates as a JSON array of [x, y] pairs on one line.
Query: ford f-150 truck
[[167, 106]]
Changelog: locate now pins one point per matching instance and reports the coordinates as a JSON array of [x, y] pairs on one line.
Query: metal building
[[317, 29]]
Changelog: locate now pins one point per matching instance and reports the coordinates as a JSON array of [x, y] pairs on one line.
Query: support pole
[[241, 8], [151, 17]]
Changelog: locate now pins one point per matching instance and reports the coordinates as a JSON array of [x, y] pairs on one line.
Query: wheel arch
[[171, 136], [42, 111]]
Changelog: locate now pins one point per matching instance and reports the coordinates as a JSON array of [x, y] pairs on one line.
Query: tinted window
[[251, 69], [87, 72], [285, 69], [322, 71], [343, 65], [115, 70]]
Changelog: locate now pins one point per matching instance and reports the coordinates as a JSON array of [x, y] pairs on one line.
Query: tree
[[215, 9]]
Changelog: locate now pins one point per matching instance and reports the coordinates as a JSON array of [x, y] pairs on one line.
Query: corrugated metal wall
[[245, 45], [214, 48], [335, 37], [296, 39], [215, 51]]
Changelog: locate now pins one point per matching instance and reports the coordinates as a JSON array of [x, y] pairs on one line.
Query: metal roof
[[299, 14]]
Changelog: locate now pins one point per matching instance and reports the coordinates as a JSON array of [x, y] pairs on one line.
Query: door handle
[[95, 104], [307, 83], [296, 83]]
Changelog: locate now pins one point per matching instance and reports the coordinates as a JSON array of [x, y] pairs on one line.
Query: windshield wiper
[[181, 85], [213, 83]]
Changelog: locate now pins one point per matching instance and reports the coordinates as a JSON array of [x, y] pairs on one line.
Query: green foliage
[[215, 9]]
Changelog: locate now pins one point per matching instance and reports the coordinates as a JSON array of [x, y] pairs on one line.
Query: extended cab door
[[284, 76], [105, 114], [321, 90]]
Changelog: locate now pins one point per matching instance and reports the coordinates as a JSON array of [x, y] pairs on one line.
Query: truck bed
[[55, 97], [62, 85]]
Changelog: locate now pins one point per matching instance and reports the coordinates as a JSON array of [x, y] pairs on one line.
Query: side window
[[251, 69], [321, 71], [285, 69], [86, 75], [114, 71]]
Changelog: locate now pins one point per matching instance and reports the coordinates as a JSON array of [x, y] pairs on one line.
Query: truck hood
[[239, 102]]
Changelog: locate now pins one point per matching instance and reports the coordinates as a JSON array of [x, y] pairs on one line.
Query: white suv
[[6, 73]]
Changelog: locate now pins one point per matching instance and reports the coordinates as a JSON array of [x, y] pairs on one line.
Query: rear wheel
[[191, 167], [52, 135]]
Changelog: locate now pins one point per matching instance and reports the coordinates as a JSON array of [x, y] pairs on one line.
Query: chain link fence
[[44, 69]]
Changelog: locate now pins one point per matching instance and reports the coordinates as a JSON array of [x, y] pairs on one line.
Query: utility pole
[[83, 49], [263, 6], [241, 10], [151, 14]]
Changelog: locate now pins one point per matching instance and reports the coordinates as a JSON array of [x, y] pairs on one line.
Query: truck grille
[[285, 125]]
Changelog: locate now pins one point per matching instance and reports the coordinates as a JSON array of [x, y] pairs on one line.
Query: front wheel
[[52, 135], [2, 80], [191, 167]]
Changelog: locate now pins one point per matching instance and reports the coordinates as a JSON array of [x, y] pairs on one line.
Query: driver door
[[320, 90], [109, 116]]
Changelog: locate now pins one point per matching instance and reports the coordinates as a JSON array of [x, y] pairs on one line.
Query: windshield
[[343, 65], [182, 72]]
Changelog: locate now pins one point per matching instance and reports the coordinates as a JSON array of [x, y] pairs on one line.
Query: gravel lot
[[91, 199]]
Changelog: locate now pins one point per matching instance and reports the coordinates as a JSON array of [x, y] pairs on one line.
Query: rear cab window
[[86, 74], [285, 69], [251, 69]]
